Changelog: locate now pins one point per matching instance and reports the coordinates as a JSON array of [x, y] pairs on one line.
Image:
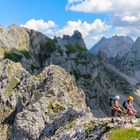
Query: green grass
[[2, 53], [50, 46], [17, 57], [74, 48], [58, 108], [50, 106], [12, 56], [55, 106], [70, 125], [124, 134], [89, 128], [26, 54], [14, 81]]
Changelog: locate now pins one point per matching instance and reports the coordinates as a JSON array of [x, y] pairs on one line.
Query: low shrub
[[74, 48], [50, 46], [76, 74], [70, 125], [26, 54], [55, 106], [89, 127], [12, 56]]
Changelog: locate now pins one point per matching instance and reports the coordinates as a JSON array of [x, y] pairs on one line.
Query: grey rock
[[75, 39]]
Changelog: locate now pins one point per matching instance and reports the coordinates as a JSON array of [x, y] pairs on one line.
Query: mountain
[[95, 49], [54, 88], [123, 53], [114, 46], [130, 63]]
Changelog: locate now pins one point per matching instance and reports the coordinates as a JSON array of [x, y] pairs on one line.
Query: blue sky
[[20, 11], [94, 18]]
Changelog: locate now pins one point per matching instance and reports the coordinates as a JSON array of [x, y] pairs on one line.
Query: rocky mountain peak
[[95, 49], [103, 38], [77, 34], [14, 26], [76, 39], [114, 46], [137, 41]]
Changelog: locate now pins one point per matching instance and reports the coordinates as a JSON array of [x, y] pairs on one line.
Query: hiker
[[130, 111], [116, 109]]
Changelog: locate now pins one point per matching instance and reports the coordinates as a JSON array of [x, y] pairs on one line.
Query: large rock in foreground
[[57, 103]]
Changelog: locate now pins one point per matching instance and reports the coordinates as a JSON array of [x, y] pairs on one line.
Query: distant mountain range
[[114, 46], [120, 51]]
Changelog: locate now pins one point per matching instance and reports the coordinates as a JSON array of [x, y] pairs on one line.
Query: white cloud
[[41, 26], [85, 28], [89, 5], [123, 12], [132, 31], [129, 19], [88, 30]]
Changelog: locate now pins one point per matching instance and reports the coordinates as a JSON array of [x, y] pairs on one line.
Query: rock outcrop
[[38, 105], [76, 39], [54, 88], [58, 102]]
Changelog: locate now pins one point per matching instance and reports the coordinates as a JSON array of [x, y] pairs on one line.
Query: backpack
[[124, 105], [111, 100]]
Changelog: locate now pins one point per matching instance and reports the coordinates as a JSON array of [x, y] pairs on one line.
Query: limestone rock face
[[75, 39], [37, 105], [19, 41], [14, 37], [58, 102], [12, 78]]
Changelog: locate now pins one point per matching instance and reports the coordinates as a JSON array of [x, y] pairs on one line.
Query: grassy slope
[[124, 134]]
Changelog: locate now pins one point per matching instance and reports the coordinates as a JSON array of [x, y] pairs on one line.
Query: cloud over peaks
[[85, 28], [123, 12], [41, 26]]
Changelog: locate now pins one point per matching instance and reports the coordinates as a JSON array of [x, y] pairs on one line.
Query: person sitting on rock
[[116, 108], [130, 111]]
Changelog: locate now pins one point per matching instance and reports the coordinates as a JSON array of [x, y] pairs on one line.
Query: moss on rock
[[55, 106], [89, 127], [14, 81], [2, 51], [70, 125]]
